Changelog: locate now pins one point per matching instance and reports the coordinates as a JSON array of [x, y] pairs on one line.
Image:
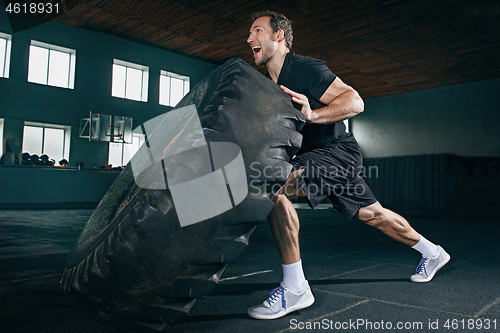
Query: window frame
[[51, 47], [144, 84], [66, 139], [6, 63], [186, 86], [135, 136]]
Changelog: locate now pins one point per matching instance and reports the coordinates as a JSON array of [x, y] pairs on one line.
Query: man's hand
[[302, 100]]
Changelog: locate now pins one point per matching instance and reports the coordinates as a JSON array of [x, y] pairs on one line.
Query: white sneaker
[[282, 301], [428, 266]]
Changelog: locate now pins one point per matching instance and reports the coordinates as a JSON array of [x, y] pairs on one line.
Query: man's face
[[262, 40]]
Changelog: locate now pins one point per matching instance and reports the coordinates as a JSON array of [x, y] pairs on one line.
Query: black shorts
[[334, 172]]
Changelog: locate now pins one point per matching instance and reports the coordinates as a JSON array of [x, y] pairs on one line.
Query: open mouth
[[256, 50]]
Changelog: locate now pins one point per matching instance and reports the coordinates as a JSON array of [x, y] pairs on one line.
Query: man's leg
[[396, 227], [294, 293], [284, 224], [390, 223], [284, 221]]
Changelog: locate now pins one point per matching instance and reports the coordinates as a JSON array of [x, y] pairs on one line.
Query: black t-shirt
[[311, 77]]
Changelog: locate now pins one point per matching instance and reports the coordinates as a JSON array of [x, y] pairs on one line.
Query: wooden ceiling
[[378, 47]]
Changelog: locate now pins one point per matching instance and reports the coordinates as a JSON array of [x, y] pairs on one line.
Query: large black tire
[[133, 263]]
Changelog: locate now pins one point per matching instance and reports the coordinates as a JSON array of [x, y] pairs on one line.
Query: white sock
[[428, 249], [293, 275]]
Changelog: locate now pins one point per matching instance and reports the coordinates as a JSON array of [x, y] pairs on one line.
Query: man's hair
[[278, 21]]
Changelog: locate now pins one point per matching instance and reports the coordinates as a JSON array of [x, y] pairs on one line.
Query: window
[[120, 154], [5, 45], [130, 81], [172, 88], [52, 140], [51, 65]]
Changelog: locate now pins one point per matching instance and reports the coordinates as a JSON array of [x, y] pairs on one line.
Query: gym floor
[[360, 278]]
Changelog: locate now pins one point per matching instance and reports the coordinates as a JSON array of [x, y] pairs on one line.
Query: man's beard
[[267, 54]]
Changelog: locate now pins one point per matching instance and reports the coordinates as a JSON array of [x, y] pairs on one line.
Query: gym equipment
[[135, 264]]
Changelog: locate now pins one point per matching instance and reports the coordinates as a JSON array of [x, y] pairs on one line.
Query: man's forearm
[[344, 106]]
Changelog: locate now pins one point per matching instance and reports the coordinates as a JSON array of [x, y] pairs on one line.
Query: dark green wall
[[462, 119], [53, 187], [48, 187], [92, 92]]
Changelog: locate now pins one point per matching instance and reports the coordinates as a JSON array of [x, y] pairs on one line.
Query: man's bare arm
[[342, 102]]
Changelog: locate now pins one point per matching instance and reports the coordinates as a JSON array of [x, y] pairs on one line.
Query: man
[[320, 166]]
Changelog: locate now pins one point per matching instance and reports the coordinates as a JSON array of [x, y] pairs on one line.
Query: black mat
[[360, 278]]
